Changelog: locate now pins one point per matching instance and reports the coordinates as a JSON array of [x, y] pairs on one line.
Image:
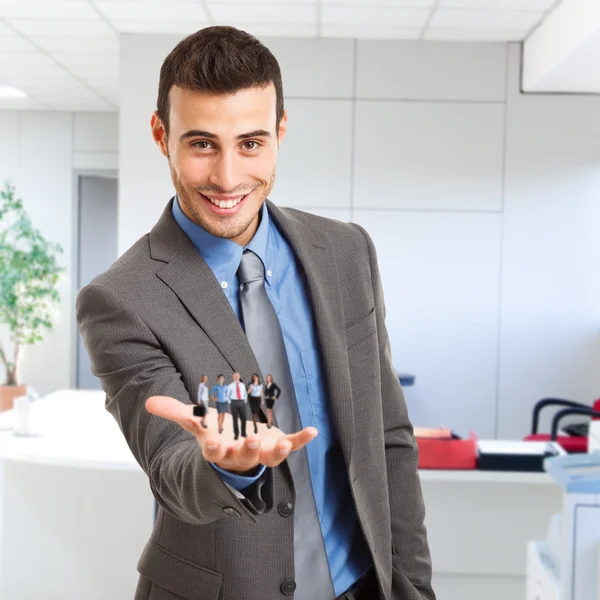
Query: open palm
[[269, 447]]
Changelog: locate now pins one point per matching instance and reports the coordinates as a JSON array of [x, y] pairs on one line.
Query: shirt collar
[[223, 256]]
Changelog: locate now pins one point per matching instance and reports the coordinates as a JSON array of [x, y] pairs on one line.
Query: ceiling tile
[[82, 106], [103, 82], [486, 19], [375, 17], [33, 27], [20, 104], [369, 33], [55, 98], [160, 27], [36, 61], [27, 81], [499, 4], [100, 71], [386, 3], [263, 14], [279, 30], [151, 10], [46, 9], [15, 43], [107, 92], [477, 35], [87, 59], [83, 44], [52, 88], [269, 2]]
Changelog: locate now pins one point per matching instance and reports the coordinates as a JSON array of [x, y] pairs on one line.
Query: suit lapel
[[188, 275], [315, 256]]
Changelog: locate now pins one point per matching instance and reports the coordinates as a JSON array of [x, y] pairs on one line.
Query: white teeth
[[226, 203]]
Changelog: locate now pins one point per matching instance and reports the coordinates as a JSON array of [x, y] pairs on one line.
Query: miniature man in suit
[[237, 396]]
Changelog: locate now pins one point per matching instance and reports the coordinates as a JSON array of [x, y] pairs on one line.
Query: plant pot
[[8, 393]]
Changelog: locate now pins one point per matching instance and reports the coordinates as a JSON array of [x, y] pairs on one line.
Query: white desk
[[77, 511]]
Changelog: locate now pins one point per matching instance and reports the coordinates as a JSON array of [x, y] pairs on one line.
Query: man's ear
[[159, 135], [282, 128]]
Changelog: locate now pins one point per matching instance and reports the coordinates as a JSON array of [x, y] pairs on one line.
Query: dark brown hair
[[220, 60]]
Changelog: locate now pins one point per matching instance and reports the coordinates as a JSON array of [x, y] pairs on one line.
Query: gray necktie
[[263, 331]]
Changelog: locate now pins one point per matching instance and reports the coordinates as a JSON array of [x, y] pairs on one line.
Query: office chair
[[570, 443]]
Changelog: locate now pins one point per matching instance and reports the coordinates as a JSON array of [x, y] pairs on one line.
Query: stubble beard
[[228, 228]]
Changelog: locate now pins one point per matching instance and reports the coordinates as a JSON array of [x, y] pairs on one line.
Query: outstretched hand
[[270, 447]]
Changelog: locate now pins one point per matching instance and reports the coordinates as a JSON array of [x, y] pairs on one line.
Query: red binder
[[444, 452]]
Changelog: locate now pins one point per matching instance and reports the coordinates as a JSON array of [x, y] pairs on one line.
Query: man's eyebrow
[[256, 133], [197, 133], [213, 136]]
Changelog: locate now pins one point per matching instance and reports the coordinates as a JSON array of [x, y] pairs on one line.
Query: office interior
[[463, 135]]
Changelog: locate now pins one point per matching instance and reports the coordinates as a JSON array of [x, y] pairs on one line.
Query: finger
[[301, 438], [176, 411], [273, 457], [247, 455], [213, 449]]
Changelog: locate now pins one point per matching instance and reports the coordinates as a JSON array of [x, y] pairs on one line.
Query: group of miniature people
[[235, 396]]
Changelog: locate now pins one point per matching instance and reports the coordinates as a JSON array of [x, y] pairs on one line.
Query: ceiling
[[64, 54]]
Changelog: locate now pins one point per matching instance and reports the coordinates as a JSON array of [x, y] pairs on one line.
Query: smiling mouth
[[225, 204]]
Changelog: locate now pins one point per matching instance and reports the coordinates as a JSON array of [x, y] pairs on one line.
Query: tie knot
[[251, 268]]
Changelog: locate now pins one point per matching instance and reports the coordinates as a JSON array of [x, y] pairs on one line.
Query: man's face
[[221, 379], [236, 377], [222, 152]]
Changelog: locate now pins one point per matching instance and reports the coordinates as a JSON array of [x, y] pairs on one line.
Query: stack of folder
[[509, 455], [442, 449]]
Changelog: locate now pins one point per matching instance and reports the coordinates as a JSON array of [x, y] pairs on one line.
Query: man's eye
[[201, 145], [250, 145]]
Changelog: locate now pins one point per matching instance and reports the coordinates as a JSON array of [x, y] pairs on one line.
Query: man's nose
[[226, 173]]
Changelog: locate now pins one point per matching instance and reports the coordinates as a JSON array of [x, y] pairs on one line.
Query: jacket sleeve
[[132, 366], [411, 560]]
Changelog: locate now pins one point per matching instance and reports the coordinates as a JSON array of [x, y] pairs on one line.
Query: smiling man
[[327, 503]]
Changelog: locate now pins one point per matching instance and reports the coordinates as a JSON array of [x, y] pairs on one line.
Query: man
[[327, 503], [237, 397], [218, 394]]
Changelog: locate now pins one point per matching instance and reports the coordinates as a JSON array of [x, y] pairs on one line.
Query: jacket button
[[288, 587], [285, 509], [231, 511]]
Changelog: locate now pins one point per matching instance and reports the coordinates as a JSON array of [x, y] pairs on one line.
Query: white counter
[[77, 510], [73, 429]]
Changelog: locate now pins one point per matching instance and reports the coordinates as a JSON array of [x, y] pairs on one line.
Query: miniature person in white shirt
[[203, 397]]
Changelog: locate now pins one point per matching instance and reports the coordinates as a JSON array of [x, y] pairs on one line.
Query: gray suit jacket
[[158, 319]]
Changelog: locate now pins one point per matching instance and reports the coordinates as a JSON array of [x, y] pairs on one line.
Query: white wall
[[550, 320], [483, 205], [39, 152]]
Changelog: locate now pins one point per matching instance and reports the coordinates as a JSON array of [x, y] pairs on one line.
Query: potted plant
[[29, 298]]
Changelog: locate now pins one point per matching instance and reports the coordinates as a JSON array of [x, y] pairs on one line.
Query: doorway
[[97, 209]]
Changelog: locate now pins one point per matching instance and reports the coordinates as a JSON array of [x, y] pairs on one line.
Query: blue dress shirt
[[345, 545], [220, 391]]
